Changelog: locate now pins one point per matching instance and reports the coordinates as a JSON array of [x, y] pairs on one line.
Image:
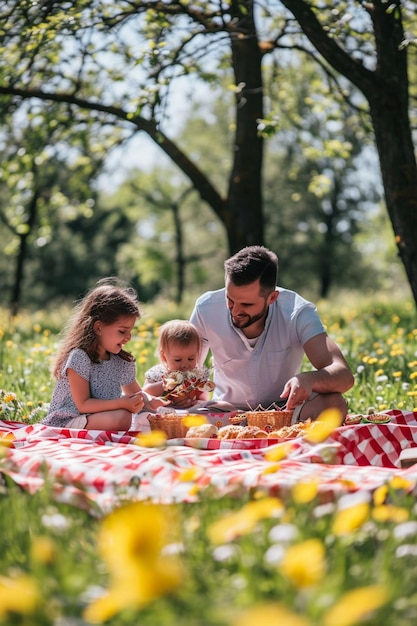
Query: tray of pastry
[[236, 436]]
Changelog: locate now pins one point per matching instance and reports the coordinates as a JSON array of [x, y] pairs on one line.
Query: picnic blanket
[[97, 470]]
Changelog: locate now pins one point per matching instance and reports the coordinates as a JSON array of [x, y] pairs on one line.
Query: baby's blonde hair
[[180, 332]]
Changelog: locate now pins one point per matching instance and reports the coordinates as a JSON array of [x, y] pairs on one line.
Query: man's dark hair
[[253, 263]]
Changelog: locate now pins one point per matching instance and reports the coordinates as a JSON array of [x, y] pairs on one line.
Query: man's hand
[[297, 390]]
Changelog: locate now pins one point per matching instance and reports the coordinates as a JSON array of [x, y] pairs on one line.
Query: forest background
[[285, 123]]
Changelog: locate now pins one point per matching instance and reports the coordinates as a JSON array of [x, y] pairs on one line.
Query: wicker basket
[[269, 420], [172, 425]]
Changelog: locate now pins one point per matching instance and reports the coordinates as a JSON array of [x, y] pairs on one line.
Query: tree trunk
[[399, 175], [179, 256], [327, 250], [21, 257], [245, 184], [389, 105]]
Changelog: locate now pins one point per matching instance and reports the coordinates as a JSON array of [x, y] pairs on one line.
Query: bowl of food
[[352, 419], [376, 418]]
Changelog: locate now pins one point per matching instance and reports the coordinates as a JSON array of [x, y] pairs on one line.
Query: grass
[[235, 561]]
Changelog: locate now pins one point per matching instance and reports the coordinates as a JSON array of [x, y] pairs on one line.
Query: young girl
[[93, 369], [179, 348]]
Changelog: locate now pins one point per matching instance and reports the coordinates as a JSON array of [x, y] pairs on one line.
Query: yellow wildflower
[[154, 439], [305, 491], [350, 519], [323, 426], [6, 440], [271, 469], [193, 491], [194, 420], [43, 550], [399, 482], [279, 452], [130, 541], [355, 605], [263, 508], [390, 513], [380, 495], [18, 595], [190, 474], [304, 564], [243, 521], [9, 397]]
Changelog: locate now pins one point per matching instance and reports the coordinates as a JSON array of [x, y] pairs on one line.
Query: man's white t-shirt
[[247, 375]]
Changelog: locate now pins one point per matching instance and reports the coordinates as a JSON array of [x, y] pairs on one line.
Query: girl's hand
[[134, 402], [153, 403]]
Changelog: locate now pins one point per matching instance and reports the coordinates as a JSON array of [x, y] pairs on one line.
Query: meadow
[[241, 560]]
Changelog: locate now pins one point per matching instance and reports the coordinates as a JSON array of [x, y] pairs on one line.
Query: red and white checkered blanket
[[97, 470]]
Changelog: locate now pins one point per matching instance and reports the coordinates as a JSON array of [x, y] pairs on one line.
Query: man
[[258, 334]]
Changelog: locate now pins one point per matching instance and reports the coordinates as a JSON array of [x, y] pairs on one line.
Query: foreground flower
[[269, 614], [305, 491], [154, 439], [131, 540], [323, 426], [18, 595], [356, 605], [194, 420], [43, 550], [244, 521], [390, 513], [7, 439], [279, 452], [304, 564], [350, 519]]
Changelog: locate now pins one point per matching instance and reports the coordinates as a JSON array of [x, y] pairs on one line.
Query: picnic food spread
[[369, 418], [236, 431], [171, 422], [257, 424]]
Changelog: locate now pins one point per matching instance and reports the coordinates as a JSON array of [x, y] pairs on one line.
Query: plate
[[378, 418]]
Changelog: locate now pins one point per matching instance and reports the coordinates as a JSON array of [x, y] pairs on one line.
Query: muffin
[[204, 431], [251, 432], [231, 431]]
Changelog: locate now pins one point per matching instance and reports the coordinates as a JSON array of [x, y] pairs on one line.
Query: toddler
[[178, 376]]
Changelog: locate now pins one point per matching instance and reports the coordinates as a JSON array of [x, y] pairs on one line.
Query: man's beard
[[248, 320]]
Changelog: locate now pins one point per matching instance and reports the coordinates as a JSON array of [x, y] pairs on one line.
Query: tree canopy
[[118, 63]]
